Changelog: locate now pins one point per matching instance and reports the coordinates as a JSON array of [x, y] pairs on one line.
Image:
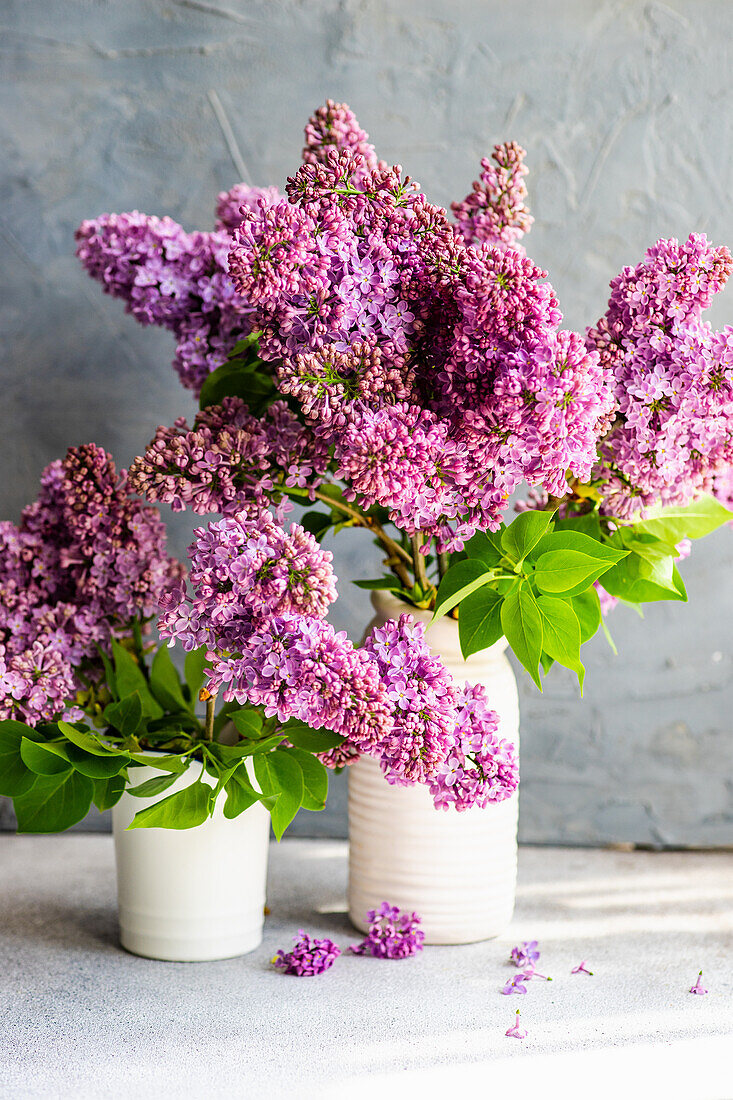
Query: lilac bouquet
[[357, 350], [83, 705]]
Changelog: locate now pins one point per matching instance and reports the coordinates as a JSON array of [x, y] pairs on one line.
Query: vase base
[[164, 949]]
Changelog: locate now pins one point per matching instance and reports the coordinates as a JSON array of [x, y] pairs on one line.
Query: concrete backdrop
[[625, 109]]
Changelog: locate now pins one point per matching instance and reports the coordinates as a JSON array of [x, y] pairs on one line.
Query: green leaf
[[315, 778], [546, 661], [108, 792], [524, 533], [627, 581], [583, 544], [561, 634], [54, 803], [15, 777], [165, 683], [587, 607], [521, 621], [486, 546], [248, 722], [460, 581], [171, 763], [88, 741], [657, 561], [316, 523], [240, 794], [303, 737], [237, 378], [692, 521], [42, 759], [193, 671], [156, 785], [281, 775], [387, 584], [125, 715], [479, 621], [587, 524], [130, 678], [567, 572], [185, 809]]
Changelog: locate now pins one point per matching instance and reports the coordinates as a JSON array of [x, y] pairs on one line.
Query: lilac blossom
[[517, 984], [581, 968], [309, 957], [423, 700], [481, 768], [698, 987], [672, 377], [175, 279], [525, 954], [515, 1031], [495, 211], [391, 935], [244, 573], [86, 559], [230, 461]]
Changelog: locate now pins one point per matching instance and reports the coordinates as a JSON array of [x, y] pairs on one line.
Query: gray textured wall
[[625, 108]]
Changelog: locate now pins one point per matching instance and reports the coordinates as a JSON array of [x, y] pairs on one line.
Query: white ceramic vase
[[456, 870], [190, 895]]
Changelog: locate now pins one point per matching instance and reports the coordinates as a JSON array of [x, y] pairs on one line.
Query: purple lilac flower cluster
[[398, 336], [230, 461], [309, 957], [422, 698], [672, 377], [86, 559], [495, 211], [258, 600], [480, 767], [175, 279], [391, 935], [243, 573]]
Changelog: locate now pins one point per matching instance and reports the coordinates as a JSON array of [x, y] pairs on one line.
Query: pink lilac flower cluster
[[495, 211], [258, 600], [309, 956], [398, 336], [87, 558], [175, 279], [480, 768], [391, 934], [423, 699], [672, 377], [230, 461], [243, 573]]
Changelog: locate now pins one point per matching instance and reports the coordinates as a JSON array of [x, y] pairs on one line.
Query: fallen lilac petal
[[525, 954], [532, 973], [518, 984], [515, 1031], [581, 969], [698, 986]]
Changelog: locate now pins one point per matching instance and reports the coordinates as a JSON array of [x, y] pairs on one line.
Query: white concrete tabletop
[[81, 1018]]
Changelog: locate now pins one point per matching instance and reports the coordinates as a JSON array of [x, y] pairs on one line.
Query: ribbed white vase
[[456, 870], [190, 895]]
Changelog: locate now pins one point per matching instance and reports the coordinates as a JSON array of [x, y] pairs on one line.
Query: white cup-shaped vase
[[457, 871], [190, 895]]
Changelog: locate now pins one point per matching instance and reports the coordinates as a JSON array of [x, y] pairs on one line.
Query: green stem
[[210, 715], [443, 564], [418, 562]]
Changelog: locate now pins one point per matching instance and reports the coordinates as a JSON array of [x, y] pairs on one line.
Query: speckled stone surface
[[79, 1018]]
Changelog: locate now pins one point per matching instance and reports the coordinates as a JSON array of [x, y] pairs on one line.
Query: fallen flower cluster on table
[[391, 935]]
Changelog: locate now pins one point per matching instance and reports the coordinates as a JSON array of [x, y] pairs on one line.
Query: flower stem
[[210, 714], [418, 562]]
